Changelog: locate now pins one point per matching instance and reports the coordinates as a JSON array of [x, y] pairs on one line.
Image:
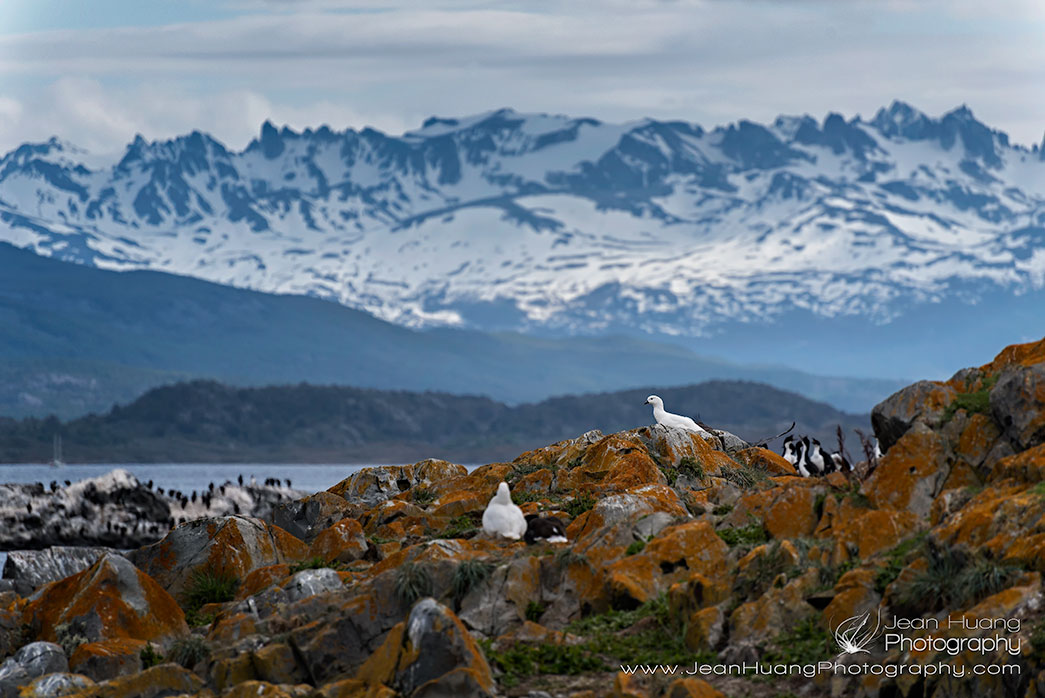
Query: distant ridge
[[77, 339], [204, 421]]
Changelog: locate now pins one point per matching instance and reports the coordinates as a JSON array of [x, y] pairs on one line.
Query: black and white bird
[[548, 529], [790, 452]]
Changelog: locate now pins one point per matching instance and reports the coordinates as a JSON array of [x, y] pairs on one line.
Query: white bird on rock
[[668, 419], [502, 517]]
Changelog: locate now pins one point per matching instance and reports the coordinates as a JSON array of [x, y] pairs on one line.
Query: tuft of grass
[[412, 582], [722, 509], [953, 579], [423, 497], [534, 611], [1038, 489], [378, 540], [743, 476], [313, 563], [670, 474], [976, 402], [469, 575], [895, 561], [189, 651], [751, 534], [691, 468], [635, 547], [460, 527], [208, 586], [578, 505], [150, 657], [805, 643]]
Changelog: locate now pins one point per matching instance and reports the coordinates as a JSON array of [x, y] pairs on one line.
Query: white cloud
[[390, 64]]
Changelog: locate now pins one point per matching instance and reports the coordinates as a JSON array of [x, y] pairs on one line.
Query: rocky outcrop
[[116, 510], [29, 570], [680, 550], [111, 600], [232, 546], [31, 661]]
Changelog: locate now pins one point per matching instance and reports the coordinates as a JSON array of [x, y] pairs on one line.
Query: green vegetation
[[189, 651], [895, 561], [150, 657], [818, 505], [524, 497], [635, 547], [423, 497], [313, 563], [977, 402], [521, 661], [1037, 639], [743, 476], [412, 582], [568, 557], [534, 611], [460, 527], [752, 534], [953, 579], [521, 470], [854, 495], [378, 540], [722, 509], [209, 586], [660, 639], [691, 468], [578, 505], [1038, 489], [805, 643], [469, 575]]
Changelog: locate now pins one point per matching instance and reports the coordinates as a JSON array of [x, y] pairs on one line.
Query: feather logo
[[853, 635]]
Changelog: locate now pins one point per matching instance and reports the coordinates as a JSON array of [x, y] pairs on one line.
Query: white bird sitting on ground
[[502, 516], [668, 419]]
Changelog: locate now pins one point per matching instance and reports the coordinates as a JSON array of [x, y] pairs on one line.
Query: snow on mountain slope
[[507, 220]]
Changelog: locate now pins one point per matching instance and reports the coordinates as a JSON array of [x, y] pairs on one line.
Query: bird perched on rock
[[544, 528], [668, 419], [502, 516]]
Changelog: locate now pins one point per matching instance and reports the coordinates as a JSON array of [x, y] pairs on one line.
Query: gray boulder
[[28, 570], [311, 582], [34, 660], [57, 685], [1016, 405], [923, 402]]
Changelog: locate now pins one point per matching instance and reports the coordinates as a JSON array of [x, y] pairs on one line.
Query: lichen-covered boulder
[[911, 474], [110, 600], [431, 654], [34, 660], [107, 659], [343, 542], [158, 682], [29, 570], [304, 518], [229, 545], [674, 554], [1018, 404], [371, 486], [924, 401], [56, 685]]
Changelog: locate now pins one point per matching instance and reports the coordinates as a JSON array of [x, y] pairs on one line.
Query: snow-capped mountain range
[[548, 223]]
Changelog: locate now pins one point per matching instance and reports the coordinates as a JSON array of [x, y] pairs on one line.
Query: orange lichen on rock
[[342, 542], [108, 601]]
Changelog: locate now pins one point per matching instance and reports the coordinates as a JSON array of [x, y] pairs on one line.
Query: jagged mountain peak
[[528, 221]]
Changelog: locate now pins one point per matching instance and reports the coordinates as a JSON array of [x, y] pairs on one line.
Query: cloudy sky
[[96, 72]]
